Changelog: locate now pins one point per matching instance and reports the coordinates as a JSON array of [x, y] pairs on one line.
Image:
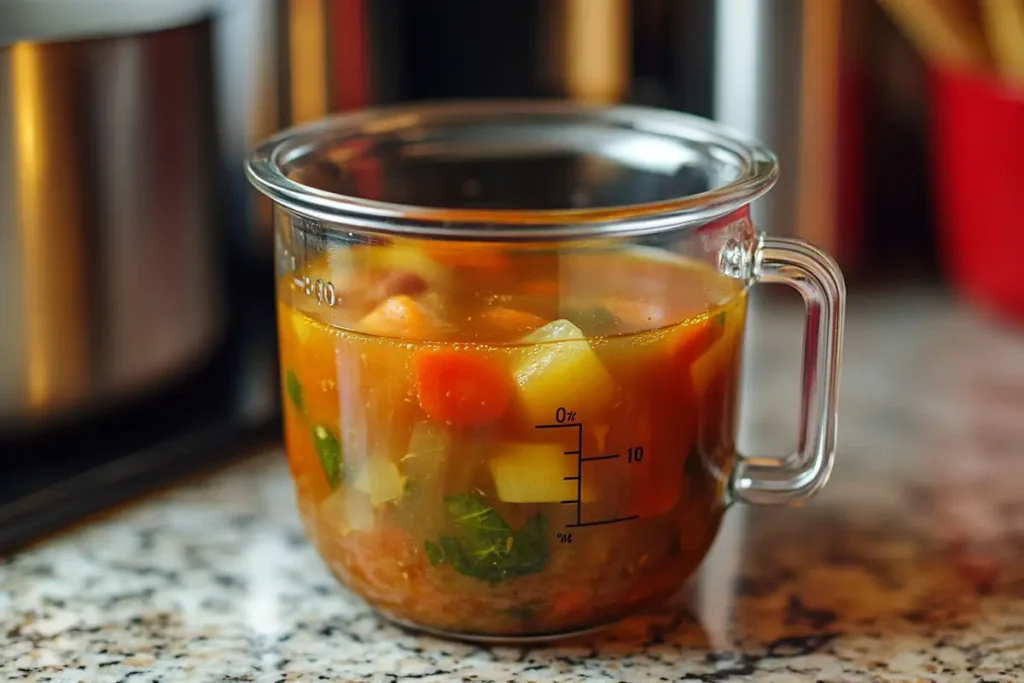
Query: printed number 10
[[635, 454]]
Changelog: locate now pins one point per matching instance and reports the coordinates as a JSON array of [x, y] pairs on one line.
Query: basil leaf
[[294, 389], [530, 549], [328, 449], [479, 524], [488, 548], [435, 553], [450, 550], [720, 318]]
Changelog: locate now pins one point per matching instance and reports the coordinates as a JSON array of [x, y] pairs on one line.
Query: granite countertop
[[905, 569]]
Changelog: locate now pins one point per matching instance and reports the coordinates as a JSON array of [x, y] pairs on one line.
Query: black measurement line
[[579, 474], [604, 521], [578, 478]]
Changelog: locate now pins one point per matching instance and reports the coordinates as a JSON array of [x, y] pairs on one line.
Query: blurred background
[[136, 320]]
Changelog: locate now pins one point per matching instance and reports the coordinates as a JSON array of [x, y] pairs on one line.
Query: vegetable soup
[[500, 443]]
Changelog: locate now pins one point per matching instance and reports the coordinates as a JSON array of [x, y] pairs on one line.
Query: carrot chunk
[[459, 388], [511, 320]]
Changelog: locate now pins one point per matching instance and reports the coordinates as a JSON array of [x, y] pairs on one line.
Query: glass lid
[[512, 170]]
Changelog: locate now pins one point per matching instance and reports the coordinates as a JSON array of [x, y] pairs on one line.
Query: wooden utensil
[[945, 31], [1004, 26]]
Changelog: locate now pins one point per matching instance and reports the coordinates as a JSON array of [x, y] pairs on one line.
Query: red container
[[978, 147]]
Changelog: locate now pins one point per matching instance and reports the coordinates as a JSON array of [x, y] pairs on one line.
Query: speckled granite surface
[[908, 567]]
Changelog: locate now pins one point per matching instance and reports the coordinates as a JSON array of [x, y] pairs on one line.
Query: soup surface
[[509, 444]]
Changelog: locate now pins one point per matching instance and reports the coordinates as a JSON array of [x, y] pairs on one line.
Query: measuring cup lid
[[512, 170]]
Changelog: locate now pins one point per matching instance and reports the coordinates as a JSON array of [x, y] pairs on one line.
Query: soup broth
[[496, 443]]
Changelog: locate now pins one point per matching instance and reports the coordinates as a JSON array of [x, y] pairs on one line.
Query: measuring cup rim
[[756, 167]]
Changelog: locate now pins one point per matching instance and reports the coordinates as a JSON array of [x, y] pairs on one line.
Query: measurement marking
[[568, 418], [579, 473], [600, 457], [604, 521]]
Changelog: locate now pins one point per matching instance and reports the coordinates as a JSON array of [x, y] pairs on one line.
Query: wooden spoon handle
[[945, 31], [1004, 25]]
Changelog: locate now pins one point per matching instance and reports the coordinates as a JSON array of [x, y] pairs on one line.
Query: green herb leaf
[[488, 548], [476, 520], [720, 318], [530, 552], [435, 553], [328, 449], [294, 389], [453, 553]]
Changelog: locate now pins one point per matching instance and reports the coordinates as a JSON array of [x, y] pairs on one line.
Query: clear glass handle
[[816, 276]]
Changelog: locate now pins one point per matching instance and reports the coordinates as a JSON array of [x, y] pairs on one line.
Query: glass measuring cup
[[510, 336]]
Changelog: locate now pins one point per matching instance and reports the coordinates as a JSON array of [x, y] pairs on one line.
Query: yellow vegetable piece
[[536, 473], [561, 371], [381, 480]]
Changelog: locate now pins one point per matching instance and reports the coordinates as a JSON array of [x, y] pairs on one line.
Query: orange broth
[[452, 425]]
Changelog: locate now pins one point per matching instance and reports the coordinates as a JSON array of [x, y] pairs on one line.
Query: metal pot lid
[[53, 20]]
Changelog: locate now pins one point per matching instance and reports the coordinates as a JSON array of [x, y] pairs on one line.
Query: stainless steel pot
[[109, 278]]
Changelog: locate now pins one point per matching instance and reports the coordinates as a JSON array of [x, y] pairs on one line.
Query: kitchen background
[[137, 338]]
